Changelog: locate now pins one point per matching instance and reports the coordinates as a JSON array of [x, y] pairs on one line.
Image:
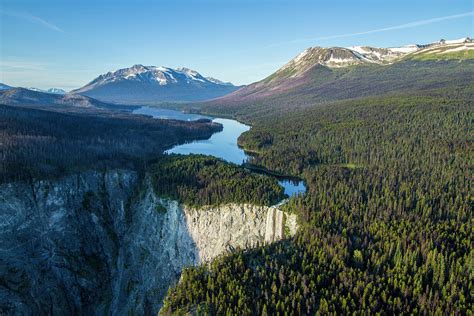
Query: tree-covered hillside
[[386, 225], [322, 85], [199, 180], [42, 143]]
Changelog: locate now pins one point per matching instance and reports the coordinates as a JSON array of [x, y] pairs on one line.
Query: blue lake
[[222, 144], [168, 114]]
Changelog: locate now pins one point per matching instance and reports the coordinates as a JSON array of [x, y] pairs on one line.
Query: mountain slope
[[26, 97], [452, 51], [4, 86], [321, 75], [154, 84], [387, 208], [384, 222]]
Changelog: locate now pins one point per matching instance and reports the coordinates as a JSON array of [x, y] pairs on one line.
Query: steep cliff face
[[103, 242], [217, 230], [158, 247], [59, 242]]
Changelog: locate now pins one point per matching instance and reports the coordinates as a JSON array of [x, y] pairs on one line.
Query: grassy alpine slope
[[386, 224], [323, 85]]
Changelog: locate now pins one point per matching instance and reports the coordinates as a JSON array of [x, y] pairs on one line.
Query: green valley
[[386, 222], [236, 157]]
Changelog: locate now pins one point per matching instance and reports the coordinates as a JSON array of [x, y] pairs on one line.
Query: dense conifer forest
[[36, 143], [199, 180], [385, 227], [237, 158]]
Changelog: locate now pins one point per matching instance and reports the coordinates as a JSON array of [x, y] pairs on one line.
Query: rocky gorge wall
[[217, 230], [104, 243]]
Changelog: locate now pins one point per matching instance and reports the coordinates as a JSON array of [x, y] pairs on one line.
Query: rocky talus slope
[[103, 242]]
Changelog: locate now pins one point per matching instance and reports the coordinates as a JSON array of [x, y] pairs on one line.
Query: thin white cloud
[[385, 29], [14, 65], [32, 19]]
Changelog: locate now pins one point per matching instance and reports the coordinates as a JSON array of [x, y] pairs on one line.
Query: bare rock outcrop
[[105, 243], [220, 229]]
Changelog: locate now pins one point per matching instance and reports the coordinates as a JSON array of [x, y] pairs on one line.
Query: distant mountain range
[[27, 97], [51, 90], [146, 84], [319, 73], [321, 65]]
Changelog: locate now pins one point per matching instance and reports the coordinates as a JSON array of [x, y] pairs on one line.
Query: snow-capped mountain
[[56, 91], [50, 90], [4, 86], [318, 64], [154, 84], [217, 81], [338, 57]]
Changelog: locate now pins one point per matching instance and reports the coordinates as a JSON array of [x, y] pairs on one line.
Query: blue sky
[[68, 43]]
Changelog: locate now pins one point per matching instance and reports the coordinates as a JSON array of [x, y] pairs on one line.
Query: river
[[222, 144]]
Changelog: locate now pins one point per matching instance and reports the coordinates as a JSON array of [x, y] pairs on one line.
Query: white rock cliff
[[104, 243], [217, 230]]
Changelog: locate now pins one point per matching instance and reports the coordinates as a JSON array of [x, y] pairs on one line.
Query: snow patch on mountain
[[444, 47], [457, 49], [458, 41], [56, 91], [151, 84], [404, 49], [5, 87], [337, 57], [50, 90], [219, 82], [152, 74], [301, 55]]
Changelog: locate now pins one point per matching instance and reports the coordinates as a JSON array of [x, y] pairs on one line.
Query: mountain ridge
[[50, 90], [31, 98], [338, 57], [321, 66], [141, 83], [4, 86]]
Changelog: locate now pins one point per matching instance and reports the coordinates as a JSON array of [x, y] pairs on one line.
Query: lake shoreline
[[224, 145]]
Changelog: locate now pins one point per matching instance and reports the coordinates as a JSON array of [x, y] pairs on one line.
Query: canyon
[[100, 242]]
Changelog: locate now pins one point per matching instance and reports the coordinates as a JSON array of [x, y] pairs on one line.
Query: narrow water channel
[[222, 144]]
